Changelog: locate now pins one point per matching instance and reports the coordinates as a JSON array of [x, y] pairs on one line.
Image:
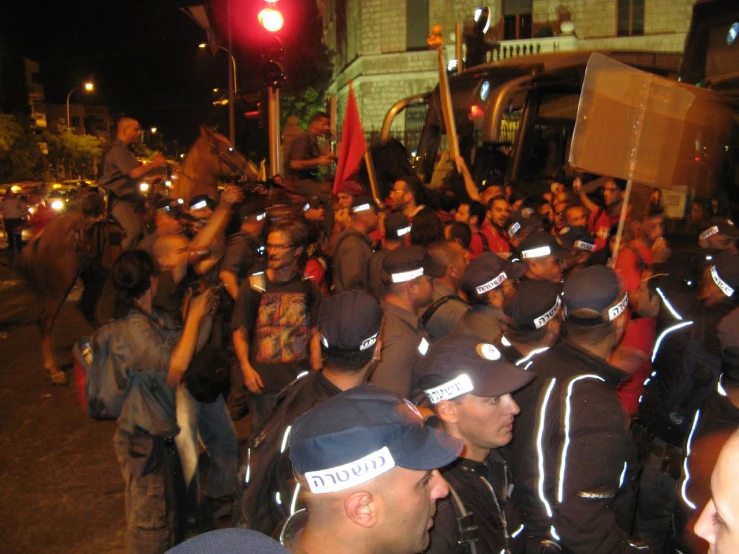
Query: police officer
[[544, 256], [469, 383], [350, 345], [581, 247], [720, 235], [488, 280], [407, 272], [397, 229], [522, 223], [573, 453], [368, 472], [354, 247], [244, 250], [121, 174], [447, 308], [534, 321]]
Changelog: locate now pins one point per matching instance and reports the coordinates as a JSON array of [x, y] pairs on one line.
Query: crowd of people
[[498, 376]]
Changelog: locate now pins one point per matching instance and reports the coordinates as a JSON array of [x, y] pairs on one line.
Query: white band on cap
[[361, 208], [490, 285], [403, 231], [199, 205], [720, 283], [542, 320], [350, 475], [451, 389], [406, 275], [582, 245], [619, 308], [366, 343], [513, 229], [261, 216], [537, 252], [709, 233]]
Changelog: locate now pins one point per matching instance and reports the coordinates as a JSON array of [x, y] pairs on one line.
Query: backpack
[[101, 378]]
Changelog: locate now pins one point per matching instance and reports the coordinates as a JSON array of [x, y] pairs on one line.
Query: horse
[[211, 159], [76, 244]]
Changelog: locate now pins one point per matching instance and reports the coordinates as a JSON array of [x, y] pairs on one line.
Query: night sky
[[143, 55]]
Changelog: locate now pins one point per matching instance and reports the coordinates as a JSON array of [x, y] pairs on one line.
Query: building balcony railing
[[530, 46]]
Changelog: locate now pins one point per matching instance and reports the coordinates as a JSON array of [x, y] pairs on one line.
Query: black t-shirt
[[305, 147], [279, 320]]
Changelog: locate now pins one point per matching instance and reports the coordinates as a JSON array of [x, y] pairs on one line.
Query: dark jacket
[[485, 491], [269, 490], [574, 461], [351, 261]]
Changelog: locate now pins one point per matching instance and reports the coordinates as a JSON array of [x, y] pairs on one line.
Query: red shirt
[[631, 263], [497, 242], [640, 335], [599, 224]]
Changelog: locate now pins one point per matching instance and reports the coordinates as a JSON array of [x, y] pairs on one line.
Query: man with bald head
[[447, 308], [121, 174], [368, 472], [719, 522]]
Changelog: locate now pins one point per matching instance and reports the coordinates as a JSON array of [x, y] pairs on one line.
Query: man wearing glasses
[[273, 324]]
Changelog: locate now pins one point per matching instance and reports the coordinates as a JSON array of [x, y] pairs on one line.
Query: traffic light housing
[[274, 64]]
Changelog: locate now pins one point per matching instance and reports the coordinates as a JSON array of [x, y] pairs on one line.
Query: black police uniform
[[486, 491], [269, 488], [351, 261], [574, 458]]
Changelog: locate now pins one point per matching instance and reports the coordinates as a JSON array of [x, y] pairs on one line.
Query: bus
[[522, 109]]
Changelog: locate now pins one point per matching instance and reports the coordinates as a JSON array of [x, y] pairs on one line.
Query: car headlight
[[143, 187]]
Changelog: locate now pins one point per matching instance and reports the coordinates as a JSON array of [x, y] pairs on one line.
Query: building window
[[417, 24], [630, 18], [517, 22]]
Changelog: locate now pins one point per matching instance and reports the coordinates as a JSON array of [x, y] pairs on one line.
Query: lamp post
[[233, 64], [89, 87]]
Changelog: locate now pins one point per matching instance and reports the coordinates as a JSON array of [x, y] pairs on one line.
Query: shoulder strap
[[431, 310]]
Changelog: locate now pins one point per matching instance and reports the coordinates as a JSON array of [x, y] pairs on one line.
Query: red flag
[[353, 146]]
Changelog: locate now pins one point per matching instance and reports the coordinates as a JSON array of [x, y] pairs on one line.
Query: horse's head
[[225, 161]]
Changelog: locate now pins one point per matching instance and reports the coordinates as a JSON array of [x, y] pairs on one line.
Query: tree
[[71, 154], [20, 155]]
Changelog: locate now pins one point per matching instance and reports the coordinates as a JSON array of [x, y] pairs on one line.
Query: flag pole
[[372, 179], [437, 40], [621, 221]]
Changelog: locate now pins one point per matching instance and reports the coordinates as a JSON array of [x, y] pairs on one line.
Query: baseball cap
[[350, 187], [593, 295], [200, 201], [362, 433], [725, 272], [409, 262], [488, 271], [255, 210], [525, 219], [576, 238], [362, 204], [720, 226], [541, 244], [465, 364], [170, 206], [313, 203], [349, 321], [534, 304], [237, 540], [397, 226]]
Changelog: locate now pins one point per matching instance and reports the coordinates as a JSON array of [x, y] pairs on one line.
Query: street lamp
[[88, 86], [153, 129]]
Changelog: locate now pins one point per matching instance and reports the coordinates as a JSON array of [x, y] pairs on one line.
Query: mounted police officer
[[121, 175]]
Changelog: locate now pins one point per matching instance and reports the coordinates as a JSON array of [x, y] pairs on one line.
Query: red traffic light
[[271, 19]]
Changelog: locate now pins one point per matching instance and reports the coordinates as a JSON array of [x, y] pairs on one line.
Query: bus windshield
[[712, 46]]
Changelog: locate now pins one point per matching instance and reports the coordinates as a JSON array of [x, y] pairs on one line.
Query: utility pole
[[273, 116], [231, 121]]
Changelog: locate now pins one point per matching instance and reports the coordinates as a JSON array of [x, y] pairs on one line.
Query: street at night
[[360, 276]]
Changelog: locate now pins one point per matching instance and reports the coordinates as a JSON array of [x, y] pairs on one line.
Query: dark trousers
[[13, 230], [150, 468]]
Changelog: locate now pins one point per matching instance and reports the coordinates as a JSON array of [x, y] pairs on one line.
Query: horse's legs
[[94, 277], [52, 300], [51, 307]]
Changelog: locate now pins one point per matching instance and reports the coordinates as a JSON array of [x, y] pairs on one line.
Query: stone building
[[380, 45]]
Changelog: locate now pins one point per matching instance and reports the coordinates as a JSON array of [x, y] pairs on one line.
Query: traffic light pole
[[231, 120], [273, 116]]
